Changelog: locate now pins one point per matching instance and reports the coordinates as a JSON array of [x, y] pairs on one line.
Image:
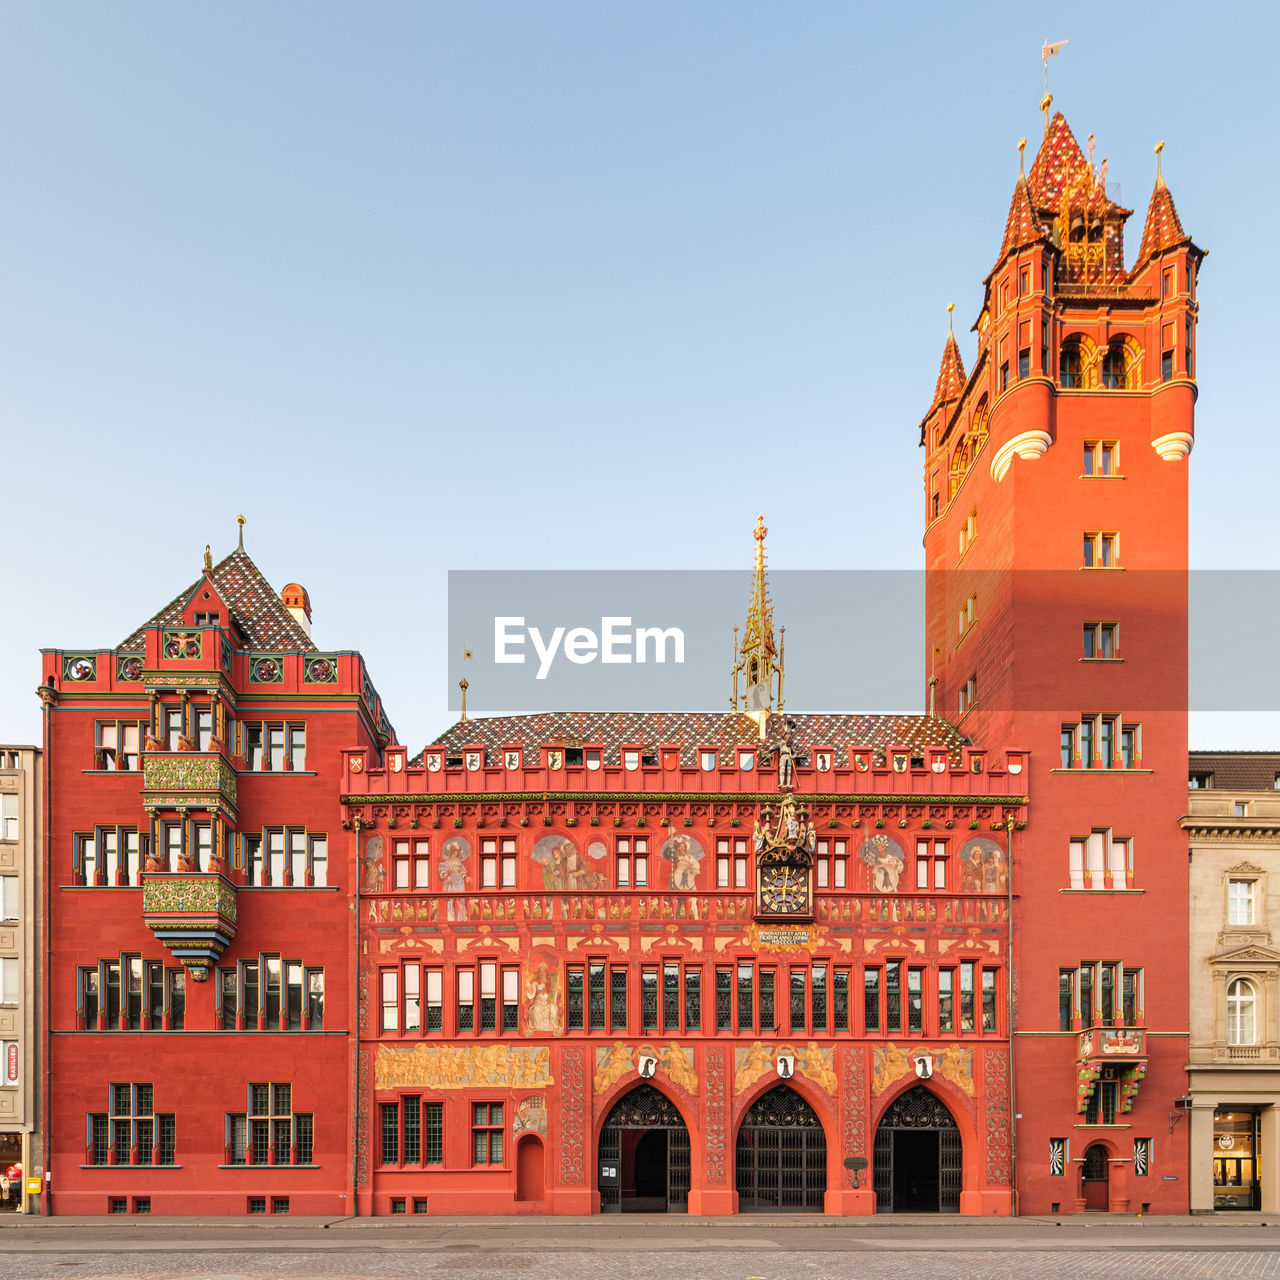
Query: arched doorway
[[1096, 1177], [918, 1159], [781, 1156], [530, 1184], [646, 1141]]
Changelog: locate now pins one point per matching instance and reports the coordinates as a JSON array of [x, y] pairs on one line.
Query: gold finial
[[1159, 166], [1093, 175], [759, 534], [1022, 149], [464, 686], [951, 330], [240, 521], [208, 557], [1045, 103]]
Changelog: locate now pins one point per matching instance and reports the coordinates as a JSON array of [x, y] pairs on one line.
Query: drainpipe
[[355, 1003], [1013, 1097], [46, 943]]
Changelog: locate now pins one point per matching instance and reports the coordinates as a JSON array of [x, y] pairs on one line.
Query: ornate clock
[[784, 847], [784, 891]]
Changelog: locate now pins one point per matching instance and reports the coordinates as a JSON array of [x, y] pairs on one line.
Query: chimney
[[296, 600]]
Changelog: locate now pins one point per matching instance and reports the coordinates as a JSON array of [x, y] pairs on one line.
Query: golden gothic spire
[[757, 661]]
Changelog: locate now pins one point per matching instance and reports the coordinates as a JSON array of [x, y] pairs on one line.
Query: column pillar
[[1201, 1154], [1268, 1158]]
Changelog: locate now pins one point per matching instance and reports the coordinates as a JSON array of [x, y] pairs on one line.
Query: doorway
[[1096, 1179], [646, 1140], [918, 1158], [781, 1156]]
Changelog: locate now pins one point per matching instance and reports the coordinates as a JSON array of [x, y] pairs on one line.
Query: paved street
[[642, 1247]]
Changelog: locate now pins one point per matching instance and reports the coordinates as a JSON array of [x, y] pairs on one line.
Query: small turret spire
[[758, 659], [240, 522], [1159, 165]]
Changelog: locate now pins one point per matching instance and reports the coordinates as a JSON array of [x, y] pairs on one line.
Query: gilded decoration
[[778, 937], [678, 1065], [442, 1066], [203, 894], [758, 1060], [954, 1063], [611, 1065], [172, 775]]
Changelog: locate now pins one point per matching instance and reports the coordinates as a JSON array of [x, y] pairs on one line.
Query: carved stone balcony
[[192, 914], [188, 780]]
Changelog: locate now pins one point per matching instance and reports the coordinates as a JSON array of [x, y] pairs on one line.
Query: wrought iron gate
[[782, 1156], [642, 1109], [915, 1110]]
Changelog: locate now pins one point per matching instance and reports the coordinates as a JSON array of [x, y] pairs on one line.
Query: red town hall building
[[577, 963]]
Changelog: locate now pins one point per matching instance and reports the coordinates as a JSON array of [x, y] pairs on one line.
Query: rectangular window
[[989, 1000], [1100, 640], [1130, 988], [1024, 363], [1101, 1107], [966, 996], [435, 999], [692, 999], [618, 998], [931, 864], [768, 1007], [746, 997], [915, 1000], [433, 1132], [1166, 366], [412, 1008], [204, 728], [799, 982], [818, 998], [731, 862], [118, 744], [8, 897], [648, 999], [511, 1000], [724, 999], [466, 1000], [488, 996], [172, 727], [251, 854], [390, 1133], [1004, 376], [412, 1130], [871, 999], [1100, 550], [840, 1001], [893, 996], [574, 998], [486, 1133], [1239, 901], [832, 864], [390, 1001], [670, 996], [946, 1007], [315, 999], [1066, 999]]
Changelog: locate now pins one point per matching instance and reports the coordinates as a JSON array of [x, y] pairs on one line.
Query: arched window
[[1241, 1006], [1115, 367], [1071, 366]]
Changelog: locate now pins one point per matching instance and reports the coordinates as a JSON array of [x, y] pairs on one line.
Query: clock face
[[784, 890]]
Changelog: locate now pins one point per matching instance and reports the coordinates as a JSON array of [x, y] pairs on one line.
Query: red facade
[[573, 963]]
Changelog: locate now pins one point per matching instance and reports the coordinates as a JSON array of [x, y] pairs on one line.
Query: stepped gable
[[690, 730], [256, 609]]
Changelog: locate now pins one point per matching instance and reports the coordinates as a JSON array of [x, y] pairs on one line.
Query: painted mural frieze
[[759, 1059], [442, 1066]]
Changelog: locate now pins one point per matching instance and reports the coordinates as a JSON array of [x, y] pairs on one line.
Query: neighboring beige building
[[1233, 826], [21, 1085]]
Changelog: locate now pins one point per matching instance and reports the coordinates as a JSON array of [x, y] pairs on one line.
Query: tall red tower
[[1056, 550]]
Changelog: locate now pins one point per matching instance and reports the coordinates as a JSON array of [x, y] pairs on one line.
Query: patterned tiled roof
[[1164, 227], [256, 609], [1022, 227], [689, 730], [1238, 770], [951, 377], [1059, 164]]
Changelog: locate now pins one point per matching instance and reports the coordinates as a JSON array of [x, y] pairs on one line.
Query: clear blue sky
[[431, 286]]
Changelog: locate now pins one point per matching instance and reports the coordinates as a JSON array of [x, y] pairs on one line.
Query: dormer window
[[1202, 780], [207, 619]]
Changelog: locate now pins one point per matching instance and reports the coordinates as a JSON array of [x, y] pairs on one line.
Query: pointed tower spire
[[758, 660], [1163, 228], [240, 522]]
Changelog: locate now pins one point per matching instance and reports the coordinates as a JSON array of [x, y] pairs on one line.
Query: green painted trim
[[661, 796]]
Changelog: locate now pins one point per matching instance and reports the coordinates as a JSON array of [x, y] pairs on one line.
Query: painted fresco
[[443, 1066], [374, 873], [984, 867], [954, 1063], [454, 876], [530, 1116], [543, 1010], [565, 867], [885, 859], [684, 853]]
